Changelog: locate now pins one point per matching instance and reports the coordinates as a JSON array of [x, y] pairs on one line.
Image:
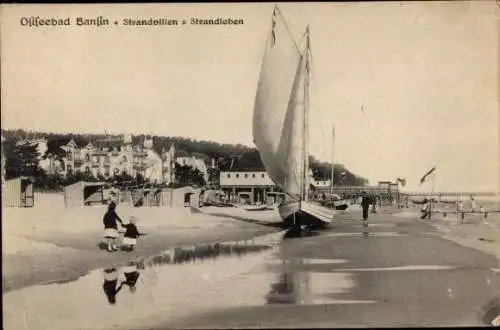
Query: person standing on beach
[[426, 209], [365, 204], [473, 203], [131, 235], [111, 227]]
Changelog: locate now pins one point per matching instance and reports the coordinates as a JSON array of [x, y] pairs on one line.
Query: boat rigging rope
[[314, 88], [286, 27]]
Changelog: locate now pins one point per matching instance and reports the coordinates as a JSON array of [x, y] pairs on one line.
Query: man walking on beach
[[365, 204], [426, 209]]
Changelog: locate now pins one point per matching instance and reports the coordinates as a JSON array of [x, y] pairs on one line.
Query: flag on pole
[[402, 181], [426, 175]]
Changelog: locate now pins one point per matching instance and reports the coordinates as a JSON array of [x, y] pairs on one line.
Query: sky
[[407, 85]]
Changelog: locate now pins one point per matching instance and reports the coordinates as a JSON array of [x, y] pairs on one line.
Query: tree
[[73, 177], [139, 178], [182, 174], [46, 181], [23, 161], [213, 176], [89, 177], [249, 161], [55, 153], [196, 177], [240, 156], [123, 177], [101, 177]]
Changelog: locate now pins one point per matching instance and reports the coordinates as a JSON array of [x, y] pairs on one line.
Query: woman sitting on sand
[[131, 235], [111, 227]]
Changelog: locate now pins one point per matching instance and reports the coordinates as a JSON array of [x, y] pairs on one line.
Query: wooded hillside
[[227, 156]]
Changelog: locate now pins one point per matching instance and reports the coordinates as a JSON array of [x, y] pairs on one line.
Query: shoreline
[[474, 233], [69, 263], [48, 243]]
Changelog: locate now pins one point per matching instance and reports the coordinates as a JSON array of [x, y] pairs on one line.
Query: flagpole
[[333, 160], [432, 191]]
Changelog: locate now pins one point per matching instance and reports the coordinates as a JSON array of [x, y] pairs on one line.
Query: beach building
[[248, 186], [19, 192], [321, 183], [84, 193]]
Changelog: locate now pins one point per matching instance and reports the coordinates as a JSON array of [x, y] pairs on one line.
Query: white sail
[[278, 123]]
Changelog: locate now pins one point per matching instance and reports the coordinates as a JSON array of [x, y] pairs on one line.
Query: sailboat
[[280, 122], [335, 200]]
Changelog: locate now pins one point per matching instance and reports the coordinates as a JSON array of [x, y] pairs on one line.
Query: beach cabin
[[84, 193], [19, 192]]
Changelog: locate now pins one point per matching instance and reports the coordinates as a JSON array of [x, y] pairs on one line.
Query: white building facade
[[248, 186], [127, 158]]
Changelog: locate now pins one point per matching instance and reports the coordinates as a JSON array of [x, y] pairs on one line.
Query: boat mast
[[306, 119], [333, 159]]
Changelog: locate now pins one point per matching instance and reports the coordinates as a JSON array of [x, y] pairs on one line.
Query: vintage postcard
[[250, 165]]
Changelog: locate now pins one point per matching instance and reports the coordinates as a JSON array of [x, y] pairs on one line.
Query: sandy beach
[[49, 243], [473, 231]]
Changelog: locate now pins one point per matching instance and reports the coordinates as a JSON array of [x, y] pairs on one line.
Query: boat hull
[[305, 214], [258, 208]]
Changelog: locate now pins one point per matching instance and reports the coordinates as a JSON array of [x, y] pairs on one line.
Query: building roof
[[22, 178], [87, 184], [243, 170]]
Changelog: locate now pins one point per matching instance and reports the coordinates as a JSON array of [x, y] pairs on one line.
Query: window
[[87, 157], [237, 175], [246, 176], [262, 175], [229, 176], [253, 175], [87, 169]]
